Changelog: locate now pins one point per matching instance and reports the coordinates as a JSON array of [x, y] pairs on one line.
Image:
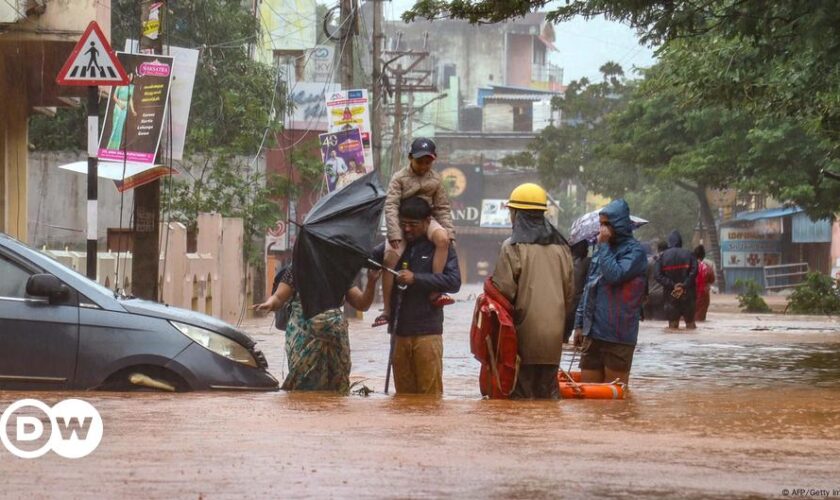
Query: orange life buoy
[[573, 389]]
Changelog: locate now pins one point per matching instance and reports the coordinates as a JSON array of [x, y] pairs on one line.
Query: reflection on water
[[737, 365]]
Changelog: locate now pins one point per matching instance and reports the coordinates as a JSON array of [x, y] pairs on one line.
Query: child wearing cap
[[417, 179]]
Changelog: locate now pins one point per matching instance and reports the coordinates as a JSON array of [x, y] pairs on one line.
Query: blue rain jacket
[[610, 307]]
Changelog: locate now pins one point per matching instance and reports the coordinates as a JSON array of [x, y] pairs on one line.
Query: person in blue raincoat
[[607, 318]]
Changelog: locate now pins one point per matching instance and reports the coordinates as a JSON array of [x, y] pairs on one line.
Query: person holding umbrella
[[416, 323], [333, 244], [534, 272], [607, 319], [317, 349]]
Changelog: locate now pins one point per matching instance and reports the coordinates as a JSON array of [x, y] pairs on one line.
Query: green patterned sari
[[318, 351]]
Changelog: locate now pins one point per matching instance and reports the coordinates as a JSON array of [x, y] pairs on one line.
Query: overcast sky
[[583, 46]]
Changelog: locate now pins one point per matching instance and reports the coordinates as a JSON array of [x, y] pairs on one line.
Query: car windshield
[[24, 248]]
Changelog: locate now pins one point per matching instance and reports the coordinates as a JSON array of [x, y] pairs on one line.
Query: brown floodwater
[[749, 405]]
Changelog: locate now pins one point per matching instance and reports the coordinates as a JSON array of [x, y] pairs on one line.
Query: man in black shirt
[[418, 348]]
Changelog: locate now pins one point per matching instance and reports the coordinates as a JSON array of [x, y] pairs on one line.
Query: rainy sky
[[583, 46]]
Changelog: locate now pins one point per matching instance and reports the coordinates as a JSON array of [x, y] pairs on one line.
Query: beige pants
[[396, 254], [418, 364]]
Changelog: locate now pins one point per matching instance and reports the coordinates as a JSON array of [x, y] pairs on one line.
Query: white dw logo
[[75, 428]]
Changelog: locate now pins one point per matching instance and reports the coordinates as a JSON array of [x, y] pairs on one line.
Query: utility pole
[[396, 139], [376, 99], [144, 268], [409, 79], [348, 31]]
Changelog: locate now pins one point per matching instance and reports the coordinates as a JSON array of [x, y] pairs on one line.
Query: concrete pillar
[[230, 264], [13, 158], [174, 267]]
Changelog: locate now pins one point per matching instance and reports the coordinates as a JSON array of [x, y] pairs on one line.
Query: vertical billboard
[[135, 113]]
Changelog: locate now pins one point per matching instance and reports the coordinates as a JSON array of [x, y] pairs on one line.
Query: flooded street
[[746, 406]]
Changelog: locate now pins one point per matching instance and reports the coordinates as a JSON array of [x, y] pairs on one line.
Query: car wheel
[[145, 378]]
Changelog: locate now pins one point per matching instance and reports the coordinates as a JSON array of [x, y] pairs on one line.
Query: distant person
[[581, 260], [705, 279], [534, 272], [607, 318], [676, 271], [417, 179], [417, 323], [317, 349], [655, 296]]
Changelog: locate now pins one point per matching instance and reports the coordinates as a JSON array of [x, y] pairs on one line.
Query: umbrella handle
[[380, 266]]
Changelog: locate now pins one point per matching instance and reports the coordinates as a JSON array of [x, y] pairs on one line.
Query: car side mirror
[[46, 285]]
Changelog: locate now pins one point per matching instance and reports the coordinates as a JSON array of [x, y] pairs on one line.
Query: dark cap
[[422, 147]]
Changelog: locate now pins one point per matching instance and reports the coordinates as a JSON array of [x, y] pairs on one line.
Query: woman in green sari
[[318, 349], [123, 97]]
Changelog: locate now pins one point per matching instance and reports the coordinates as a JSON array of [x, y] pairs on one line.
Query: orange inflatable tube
[[572, 389]]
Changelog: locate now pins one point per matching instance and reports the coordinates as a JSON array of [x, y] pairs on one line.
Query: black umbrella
[[334, 243]]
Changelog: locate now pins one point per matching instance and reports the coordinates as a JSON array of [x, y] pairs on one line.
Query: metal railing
[[784, 275]]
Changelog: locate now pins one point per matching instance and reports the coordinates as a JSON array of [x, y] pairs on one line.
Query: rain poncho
[[676, 265], [612, 299], [534, 272]]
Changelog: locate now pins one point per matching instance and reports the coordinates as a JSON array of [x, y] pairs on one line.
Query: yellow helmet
[[528, 196]]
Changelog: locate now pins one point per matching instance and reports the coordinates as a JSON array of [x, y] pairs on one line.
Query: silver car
[[60, 330]]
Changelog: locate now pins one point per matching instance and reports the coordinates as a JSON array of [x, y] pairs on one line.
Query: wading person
[[534, 272], [705, 279], [655, 295], [581, 259], [417, 179], [417, 322], [676, 271], [607, 319], [317, 349]]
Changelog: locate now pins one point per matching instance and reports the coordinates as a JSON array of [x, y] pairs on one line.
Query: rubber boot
[[674, 325]]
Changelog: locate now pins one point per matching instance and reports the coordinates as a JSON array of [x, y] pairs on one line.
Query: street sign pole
[[91, 64], [92, 179]]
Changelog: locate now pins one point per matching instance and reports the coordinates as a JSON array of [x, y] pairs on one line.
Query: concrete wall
[[477, 51], [212, 280], [520, 60], [58, 200], [498, 117]]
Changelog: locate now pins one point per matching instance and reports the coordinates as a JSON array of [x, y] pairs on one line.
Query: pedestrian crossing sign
[[92, 62]]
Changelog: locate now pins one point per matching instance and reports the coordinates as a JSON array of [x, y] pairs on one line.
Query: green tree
[[770, 59]]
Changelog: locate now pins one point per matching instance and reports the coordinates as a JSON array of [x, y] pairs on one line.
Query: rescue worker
[[534, 272], [607, 319], [676, 271]]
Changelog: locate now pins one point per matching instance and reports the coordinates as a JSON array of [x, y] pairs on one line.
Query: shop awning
[[769, 213]]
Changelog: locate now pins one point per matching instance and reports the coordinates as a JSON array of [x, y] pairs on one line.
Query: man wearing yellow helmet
[[534, 272]]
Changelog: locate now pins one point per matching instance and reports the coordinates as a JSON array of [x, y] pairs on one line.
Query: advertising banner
[[350, 109], [755, 244], [180, 90], [135, 114], [343, 156], [495, 214], [465, 186], [308, 103]]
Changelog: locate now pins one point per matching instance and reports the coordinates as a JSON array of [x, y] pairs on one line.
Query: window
[[13, 279]]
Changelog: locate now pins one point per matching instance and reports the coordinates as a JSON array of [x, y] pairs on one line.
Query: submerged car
[[60, 330]]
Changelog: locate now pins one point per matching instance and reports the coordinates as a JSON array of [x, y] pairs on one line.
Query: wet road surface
[[749, 405]]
